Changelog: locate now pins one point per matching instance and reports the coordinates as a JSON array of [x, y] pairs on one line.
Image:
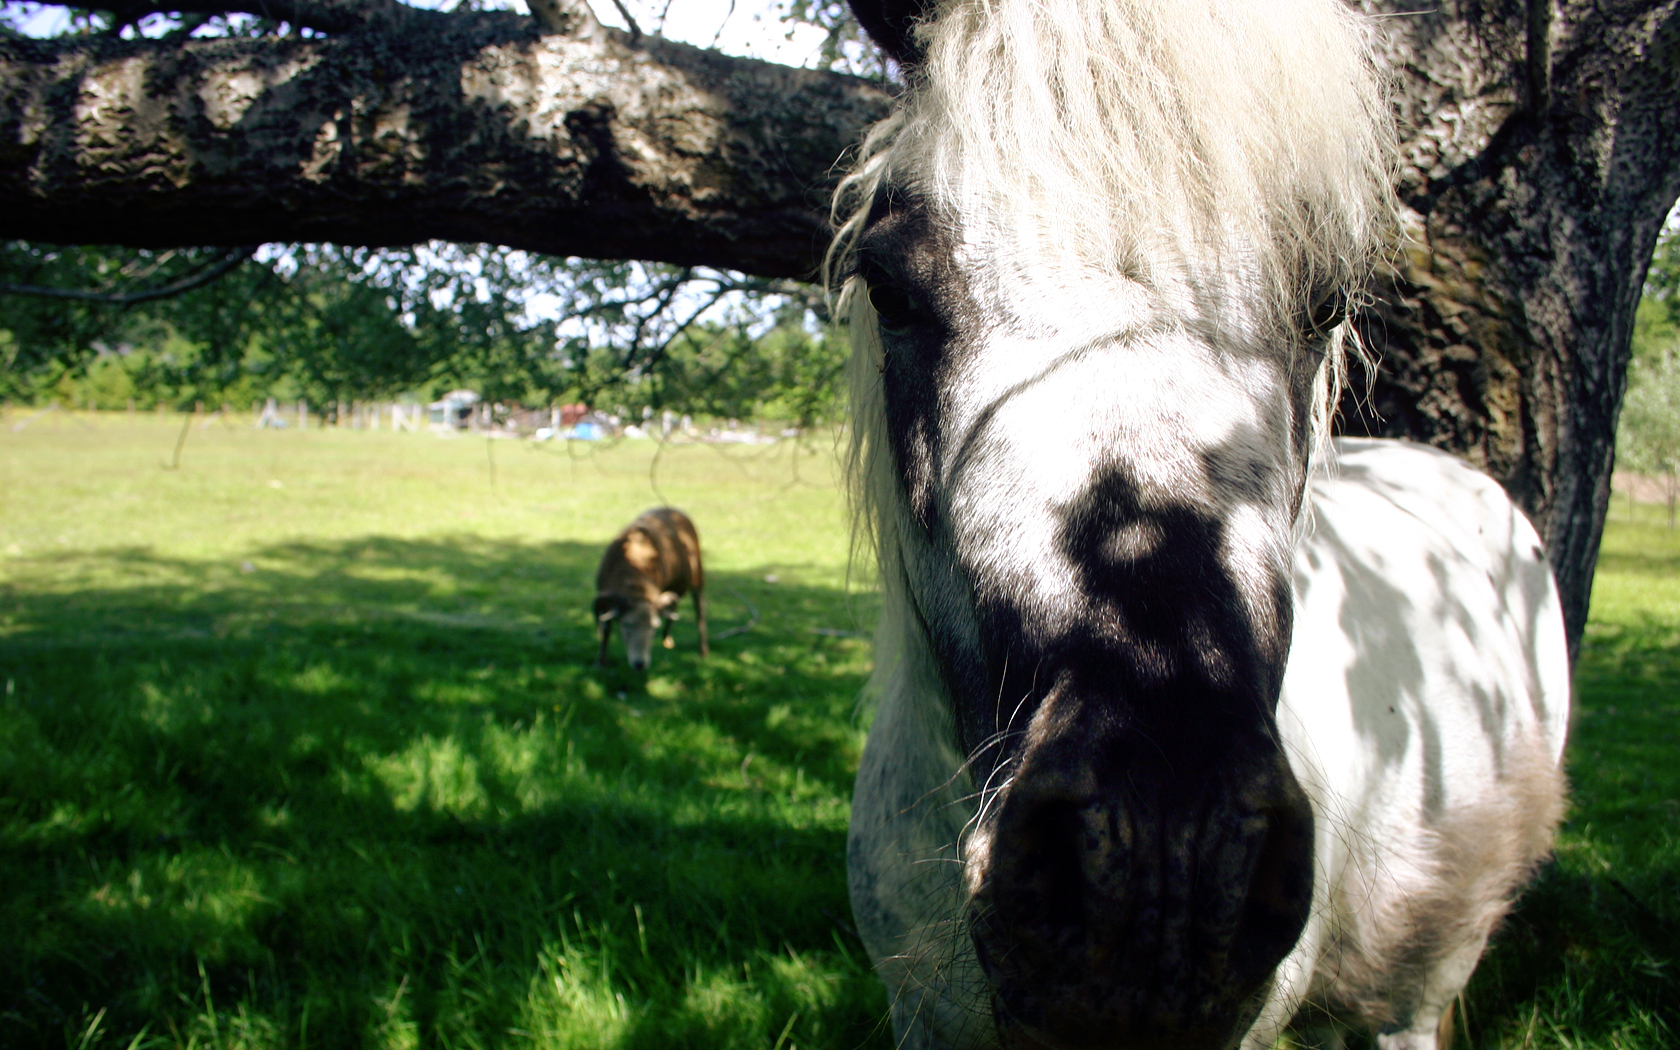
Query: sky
[[750, 28]]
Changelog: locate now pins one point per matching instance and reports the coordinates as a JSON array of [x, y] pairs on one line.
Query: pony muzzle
[[1118, 915]]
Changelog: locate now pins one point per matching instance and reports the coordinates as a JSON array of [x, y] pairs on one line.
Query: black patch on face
[[905, 262], [1172, 617], [1161, 631]]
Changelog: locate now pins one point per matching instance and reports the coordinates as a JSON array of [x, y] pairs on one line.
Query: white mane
[[1147, 136], [1128, 137]]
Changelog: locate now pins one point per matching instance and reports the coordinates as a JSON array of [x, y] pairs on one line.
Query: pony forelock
[[1147, 135], [1239, 150]]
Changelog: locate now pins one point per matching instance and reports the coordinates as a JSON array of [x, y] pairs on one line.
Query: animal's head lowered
[[638, 619], [1097, 270]]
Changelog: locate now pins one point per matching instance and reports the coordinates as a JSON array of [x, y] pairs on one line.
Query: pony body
[[1424, 711], [1128, 785]]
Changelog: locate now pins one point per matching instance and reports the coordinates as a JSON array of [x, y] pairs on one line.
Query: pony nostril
[[1044, 871], [1140, 899], [1051, 895]]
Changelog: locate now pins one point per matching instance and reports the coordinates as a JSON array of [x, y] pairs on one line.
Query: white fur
[[1192, 159], [1424, 712], [1147, 174], [1142, 198]]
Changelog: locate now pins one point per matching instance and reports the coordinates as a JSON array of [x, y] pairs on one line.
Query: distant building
[[454, 409]]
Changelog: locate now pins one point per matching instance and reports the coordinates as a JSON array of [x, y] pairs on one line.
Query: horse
[[1189, 720]]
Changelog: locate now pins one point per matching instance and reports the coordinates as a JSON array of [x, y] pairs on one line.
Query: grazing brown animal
[[644, 573]]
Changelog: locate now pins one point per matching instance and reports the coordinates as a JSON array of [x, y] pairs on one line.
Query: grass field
[[1591, 958], [300, 746]]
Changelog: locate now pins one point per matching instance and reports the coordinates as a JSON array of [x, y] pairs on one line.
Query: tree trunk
[[1539, 159], [466, 127]]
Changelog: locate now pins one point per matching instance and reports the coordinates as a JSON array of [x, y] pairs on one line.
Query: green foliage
[[725, 371], [1657, 323], [323, 323], [331, 324], [46, 340], [1648, 434]]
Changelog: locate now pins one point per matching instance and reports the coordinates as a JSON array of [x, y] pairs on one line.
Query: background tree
[[1649, 437], [318, 322], [332, 324], [1540, 143]]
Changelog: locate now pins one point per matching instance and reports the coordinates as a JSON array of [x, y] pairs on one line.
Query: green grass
[[1591, 956], [300, 746], [323, 762]]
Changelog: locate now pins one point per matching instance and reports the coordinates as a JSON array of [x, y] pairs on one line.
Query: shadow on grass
[[373, 794], [1590, 956]]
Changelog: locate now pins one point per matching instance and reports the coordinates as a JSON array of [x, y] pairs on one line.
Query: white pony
[[1176, 733]]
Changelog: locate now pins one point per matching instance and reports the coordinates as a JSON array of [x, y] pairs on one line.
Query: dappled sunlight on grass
[[369, 790], [327, 763], [1591, 955], [316, 795]]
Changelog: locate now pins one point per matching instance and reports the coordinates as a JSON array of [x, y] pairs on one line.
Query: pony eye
[[896, 307], [1327, 312]]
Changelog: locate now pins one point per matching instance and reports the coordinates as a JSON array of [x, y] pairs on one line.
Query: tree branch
[[658, 353], [202, 276], [666, 294], [471, 126], [629, 20]]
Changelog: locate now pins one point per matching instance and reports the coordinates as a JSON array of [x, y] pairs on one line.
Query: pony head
[[1097, 270]]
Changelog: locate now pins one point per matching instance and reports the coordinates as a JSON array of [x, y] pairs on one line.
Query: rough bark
[[465, 127], [1541, 153]]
